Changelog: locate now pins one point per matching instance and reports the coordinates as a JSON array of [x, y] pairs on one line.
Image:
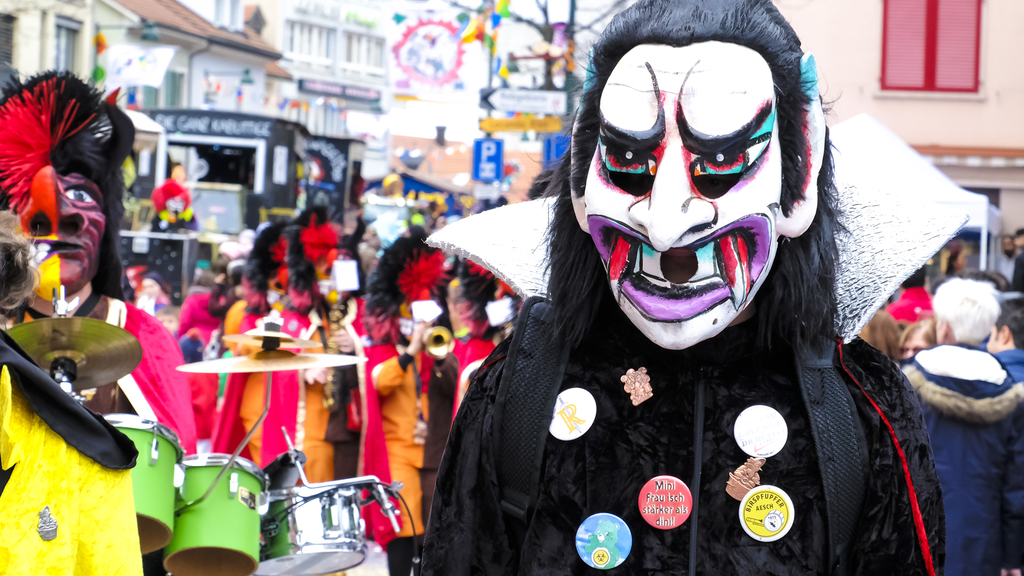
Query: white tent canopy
[[863, 143]]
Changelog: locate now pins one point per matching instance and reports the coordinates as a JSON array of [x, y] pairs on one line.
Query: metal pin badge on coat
[[47, 525]]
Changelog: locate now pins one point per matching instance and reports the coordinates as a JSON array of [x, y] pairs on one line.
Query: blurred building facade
[[219, 63], [335, 54], [38, 35], [944, 75]]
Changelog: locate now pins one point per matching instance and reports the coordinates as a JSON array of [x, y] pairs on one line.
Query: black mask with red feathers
[[61, 151], [408, 271], [265, 273], [312, 250], [479, 287]]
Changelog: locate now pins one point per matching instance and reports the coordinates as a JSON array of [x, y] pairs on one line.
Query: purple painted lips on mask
[[728, 264]]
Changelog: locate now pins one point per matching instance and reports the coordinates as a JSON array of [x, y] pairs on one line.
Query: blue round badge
[[603, 541]]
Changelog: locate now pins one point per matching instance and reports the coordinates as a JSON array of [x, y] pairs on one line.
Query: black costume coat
[[604, 470]]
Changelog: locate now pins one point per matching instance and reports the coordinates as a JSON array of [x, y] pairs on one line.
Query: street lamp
[[150, 33]]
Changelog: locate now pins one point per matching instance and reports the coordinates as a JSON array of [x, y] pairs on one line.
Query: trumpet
[[438, 342]]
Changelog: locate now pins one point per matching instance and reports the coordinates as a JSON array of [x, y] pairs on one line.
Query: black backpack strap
[[842, 449], [526, 397]]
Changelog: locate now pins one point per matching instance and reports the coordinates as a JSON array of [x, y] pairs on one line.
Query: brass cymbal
[[256, 336], [102, 353], [270, 361]]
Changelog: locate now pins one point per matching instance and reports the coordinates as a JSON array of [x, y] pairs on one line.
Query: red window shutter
[[904, 43], [956, 47]]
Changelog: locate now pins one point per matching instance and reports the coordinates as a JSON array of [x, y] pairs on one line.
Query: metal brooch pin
[[47, 525], [745, 478], [638, 384]]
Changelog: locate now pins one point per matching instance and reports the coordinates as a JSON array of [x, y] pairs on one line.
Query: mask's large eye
[[715, 175], [79, 195], [632, 171]]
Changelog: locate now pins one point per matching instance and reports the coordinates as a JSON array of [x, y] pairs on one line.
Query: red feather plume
[[279, 251], [478, 270], [422, 274], [319, 241], [29, 131]]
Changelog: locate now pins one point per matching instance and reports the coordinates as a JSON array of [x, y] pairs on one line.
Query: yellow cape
[[97, 533]]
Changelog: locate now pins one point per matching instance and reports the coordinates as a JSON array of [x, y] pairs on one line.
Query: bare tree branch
[[539, 27], [543, 7], [616, 6]]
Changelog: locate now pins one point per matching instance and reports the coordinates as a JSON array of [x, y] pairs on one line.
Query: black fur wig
[[84, 135], [797, 302], [408, 270], [309, 235], [267, 255], [479, 287]]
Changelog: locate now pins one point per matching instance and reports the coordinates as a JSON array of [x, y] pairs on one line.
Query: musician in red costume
[[61, 151], [298, 257], [487, 308], [416, 391]]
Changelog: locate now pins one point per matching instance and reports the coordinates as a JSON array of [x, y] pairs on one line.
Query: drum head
[[306, 564], [153, 534], [210, 561]]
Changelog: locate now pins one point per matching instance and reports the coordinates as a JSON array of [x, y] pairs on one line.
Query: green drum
[[219, 536], [152, 477]]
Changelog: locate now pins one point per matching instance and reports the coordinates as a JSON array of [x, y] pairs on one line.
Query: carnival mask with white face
[[683, 192]]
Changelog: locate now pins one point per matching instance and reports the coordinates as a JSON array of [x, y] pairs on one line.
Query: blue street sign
[[555, 145], [488, 159]]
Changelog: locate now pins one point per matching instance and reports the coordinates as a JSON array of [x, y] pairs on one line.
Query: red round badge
[[665, 502]]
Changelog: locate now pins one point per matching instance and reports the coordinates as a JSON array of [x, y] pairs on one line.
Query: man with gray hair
[[972, 408]]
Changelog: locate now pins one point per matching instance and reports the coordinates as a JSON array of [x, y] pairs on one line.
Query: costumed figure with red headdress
[[345, 389], [286, 266], [487, 307], [173, 204], [61, 151], [416, 389]]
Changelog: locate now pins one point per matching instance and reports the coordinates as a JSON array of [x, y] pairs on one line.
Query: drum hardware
[[379, 494], [81, 353], [316, 528]]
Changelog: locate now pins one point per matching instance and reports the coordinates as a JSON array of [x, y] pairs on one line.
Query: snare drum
[[153, 480], [219, 536], [312, 531]]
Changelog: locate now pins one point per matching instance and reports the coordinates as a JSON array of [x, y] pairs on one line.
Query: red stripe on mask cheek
[[729, 255], [741, 245], [618, 260]]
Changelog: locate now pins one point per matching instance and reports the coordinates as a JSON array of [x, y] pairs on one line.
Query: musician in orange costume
[[416, 391], [300, 255]]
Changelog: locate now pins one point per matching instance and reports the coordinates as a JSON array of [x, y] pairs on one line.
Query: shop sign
[[348, 92], [214, 125]]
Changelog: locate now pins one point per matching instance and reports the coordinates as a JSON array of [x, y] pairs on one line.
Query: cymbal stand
[[63, 370], [268, 344]]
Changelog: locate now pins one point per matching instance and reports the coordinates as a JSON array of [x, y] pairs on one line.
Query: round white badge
[[574, 413], [761, 431]]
